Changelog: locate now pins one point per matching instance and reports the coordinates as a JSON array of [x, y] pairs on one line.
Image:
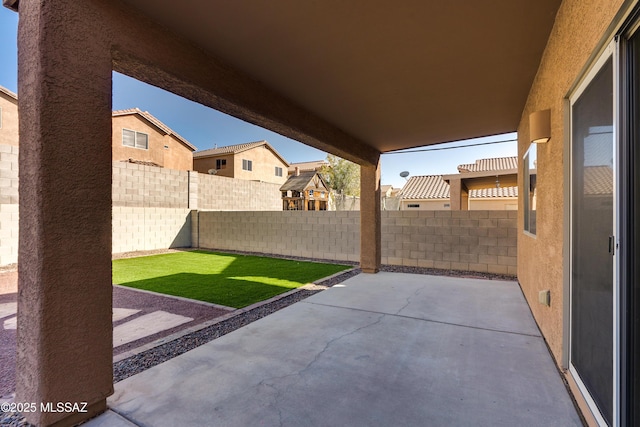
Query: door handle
[[612, 245]]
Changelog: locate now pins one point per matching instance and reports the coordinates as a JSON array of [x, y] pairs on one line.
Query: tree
[[343, 178]]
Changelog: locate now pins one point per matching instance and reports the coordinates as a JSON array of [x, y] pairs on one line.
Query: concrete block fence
[[482, 241], [156, 208]]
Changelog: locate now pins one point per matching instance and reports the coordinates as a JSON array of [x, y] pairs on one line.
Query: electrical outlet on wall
[[544, 297]]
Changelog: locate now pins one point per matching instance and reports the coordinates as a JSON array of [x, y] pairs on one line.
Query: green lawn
[[227, 279]]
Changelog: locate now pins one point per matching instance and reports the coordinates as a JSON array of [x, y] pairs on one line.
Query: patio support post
[[370, 228], [459, 195], [64, 337]]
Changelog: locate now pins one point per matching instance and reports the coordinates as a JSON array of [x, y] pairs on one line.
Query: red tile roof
[[154, 121]]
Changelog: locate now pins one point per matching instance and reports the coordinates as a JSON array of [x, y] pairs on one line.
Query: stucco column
[[64, 348], [458, 195], [370, 228]]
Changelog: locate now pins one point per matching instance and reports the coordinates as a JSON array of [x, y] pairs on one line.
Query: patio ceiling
[[392, 74]]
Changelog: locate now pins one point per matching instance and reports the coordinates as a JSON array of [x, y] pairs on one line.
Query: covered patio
[[378, 350], [354, 79]]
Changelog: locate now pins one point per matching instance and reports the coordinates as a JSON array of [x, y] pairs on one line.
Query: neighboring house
[[486, 184], [489, 184], [139, 137], [253, 161], [305, 191], [315, 165], [8, 117], [427, 192]]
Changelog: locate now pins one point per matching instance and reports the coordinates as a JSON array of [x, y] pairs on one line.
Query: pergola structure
[[355, 79]]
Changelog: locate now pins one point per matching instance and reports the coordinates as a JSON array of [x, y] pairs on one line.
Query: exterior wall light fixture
[[540, 126]]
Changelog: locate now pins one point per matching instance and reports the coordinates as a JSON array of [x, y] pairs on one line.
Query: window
[[278, 171], [530, 169], [131, 138], [222, 164], [413, 205], [310, 193], [247, 165]]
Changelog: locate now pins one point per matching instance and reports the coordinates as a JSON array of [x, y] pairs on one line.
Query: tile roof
[[598, 180], [308, 166], [425, 187], [154, 121], [140, 162], [493, 192], [8, 92], [492, 164], [300, 182], [235, 149], [434, 187]]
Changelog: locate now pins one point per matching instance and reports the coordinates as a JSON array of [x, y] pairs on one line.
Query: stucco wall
[[509, 204], [9, 120], [263, 166], [176, 156], [426, 205], [579, 27], [483, 241]]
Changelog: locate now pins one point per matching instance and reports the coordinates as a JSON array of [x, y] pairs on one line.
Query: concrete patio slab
[[384, 349]]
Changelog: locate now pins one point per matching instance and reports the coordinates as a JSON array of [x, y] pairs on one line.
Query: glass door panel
[[592, 226]]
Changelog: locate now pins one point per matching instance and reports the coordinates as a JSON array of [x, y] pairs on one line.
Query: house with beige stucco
[[8, 117], [139, 137], [253, 161], [487, 184], [562, 73]]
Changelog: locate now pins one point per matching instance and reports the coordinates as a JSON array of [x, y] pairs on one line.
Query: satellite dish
[[404, 174], [212, 171]]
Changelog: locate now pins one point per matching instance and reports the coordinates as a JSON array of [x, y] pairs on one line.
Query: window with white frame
[[247, 165], [131, 138], [221, 163], [530, 172], [278, 171]]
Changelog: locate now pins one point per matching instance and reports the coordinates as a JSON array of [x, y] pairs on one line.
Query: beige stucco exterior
[[164, 150], [264, 162], [426, 205], [8, 120], [493, 204], [570, 48]]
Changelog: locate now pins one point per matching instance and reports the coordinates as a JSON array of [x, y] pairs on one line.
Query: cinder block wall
[[482, 241], [8, 204], [228, 194], [151, 205], [326, 235], [148, 186]]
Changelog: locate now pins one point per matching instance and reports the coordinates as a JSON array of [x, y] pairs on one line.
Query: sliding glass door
[[592, 239]]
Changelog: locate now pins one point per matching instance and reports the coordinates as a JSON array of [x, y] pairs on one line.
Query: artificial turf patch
[[221, 278]]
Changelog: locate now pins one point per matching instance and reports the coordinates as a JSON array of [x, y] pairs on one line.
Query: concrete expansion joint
[[422, 319]]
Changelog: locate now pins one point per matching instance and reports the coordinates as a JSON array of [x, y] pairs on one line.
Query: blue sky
[[205, 127]]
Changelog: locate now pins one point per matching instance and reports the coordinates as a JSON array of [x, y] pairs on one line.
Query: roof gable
[[304, 181], [155, 122]]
